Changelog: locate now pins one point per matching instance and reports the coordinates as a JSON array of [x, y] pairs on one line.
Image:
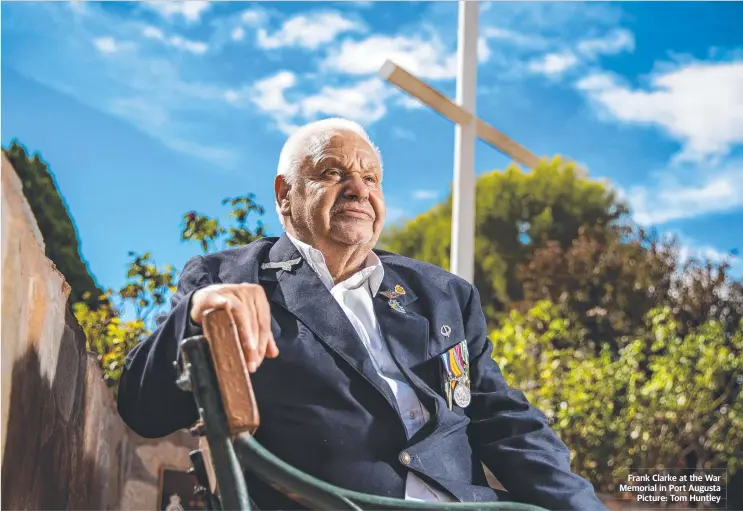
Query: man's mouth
[[355, 213]]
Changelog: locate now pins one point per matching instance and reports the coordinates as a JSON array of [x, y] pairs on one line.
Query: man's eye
[[371, 179], [333, 172]]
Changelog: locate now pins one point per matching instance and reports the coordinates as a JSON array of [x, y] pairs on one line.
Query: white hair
[[309, 141]]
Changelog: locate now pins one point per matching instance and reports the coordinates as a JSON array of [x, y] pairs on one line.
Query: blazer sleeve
[[513, 438], [148, 399]]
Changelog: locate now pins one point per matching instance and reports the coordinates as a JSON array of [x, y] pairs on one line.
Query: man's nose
[[355, 188]]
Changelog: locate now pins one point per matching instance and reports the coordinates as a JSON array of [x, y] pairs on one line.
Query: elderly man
[[372, 371]]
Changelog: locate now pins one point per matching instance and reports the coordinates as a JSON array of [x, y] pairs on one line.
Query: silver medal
[[462, 395]]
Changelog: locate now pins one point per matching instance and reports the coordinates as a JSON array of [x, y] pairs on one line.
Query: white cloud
[[666, 200], [425, 194], [106, 44], [362, 101], [425, 58], [252, 17], [562, 19], [700, 105], [617, 41], [268, 95], [238, 34], [308, 31], [146, 89], [689, 250], [175, 41], [513, 37], [77, 6], [554, 64], [153, 33], [403, 134], [190, 10], [408, 102], [483, 50], [196, 47]]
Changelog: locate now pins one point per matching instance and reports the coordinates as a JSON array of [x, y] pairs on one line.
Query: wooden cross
[[455, 113]]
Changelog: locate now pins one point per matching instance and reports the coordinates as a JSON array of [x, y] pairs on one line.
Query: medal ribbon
[[456, 362]]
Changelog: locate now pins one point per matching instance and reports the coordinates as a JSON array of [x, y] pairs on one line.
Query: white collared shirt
[[354, 295]]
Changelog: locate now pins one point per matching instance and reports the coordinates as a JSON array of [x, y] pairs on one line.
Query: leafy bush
[[666, 399]]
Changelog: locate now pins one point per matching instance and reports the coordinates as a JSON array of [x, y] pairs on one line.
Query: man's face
[[337, 198]]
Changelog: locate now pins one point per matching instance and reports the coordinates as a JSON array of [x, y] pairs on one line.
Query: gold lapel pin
[[391, 295]]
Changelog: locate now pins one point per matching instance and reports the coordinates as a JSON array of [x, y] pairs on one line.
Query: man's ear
[[281, 189]]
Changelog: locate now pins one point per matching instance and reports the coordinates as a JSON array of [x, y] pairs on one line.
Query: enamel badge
[[395, 293], [455, 363], [396, 305]]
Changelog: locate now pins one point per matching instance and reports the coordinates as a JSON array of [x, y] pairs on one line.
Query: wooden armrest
[[232, 373]]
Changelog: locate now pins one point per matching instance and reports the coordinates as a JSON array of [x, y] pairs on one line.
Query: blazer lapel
[[407, 335], [406, 331], [301, 292]]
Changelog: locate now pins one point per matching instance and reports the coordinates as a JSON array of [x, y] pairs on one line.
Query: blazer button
[[404, 458]]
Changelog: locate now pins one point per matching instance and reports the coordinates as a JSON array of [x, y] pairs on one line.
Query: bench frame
[[214, 370]]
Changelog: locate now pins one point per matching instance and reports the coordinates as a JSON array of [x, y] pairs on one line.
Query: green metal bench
[[213, 368]]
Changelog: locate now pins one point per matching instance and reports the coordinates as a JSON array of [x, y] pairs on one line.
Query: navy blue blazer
[[325, 410]]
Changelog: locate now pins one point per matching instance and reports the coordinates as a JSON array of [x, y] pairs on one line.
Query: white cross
[[468, 127]]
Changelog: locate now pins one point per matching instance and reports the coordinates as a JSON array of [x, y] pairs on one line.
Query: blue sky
[[148, 110]]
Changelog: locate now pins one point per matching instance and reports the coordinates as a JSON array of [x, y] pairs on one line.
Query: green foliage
[[666, 399], [209, 231], [108, 335], [54, 221], [148, 287], [517, 212], [611, 277]]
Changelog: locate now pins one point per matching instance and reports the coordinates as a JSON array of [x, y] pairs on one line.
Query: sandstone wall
[[63, 444]]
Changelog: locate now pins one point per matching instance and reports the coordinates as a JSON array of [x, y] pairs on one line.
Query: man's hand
[[252, 314]]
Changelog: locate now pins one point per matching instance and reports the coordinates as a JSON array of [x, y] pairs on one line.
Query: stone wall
[[63, 444]]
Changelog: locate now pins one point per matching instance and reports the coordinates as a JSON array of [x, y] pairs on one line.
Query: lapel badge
[[283, 265], [446, 330], [391, 295], [396, 305]]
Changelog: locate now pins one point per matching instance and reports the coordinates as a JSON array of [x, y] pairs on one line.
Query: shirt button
[[405, 458], [412, 415]]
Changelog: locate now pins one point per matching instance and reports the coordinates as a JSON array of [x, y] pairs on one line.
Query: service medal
[[455, 363], [462, 395]]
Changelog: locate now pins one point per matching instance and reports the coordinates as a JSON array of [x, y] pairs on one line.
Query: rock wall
[[63, 444]]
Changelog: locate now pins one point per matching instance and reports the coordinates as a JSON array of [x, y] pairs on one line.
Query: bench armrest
[[232, 372]]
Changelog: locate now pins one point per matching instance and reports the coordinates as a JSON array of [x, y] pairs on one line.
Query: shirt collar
[[373, 270]]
